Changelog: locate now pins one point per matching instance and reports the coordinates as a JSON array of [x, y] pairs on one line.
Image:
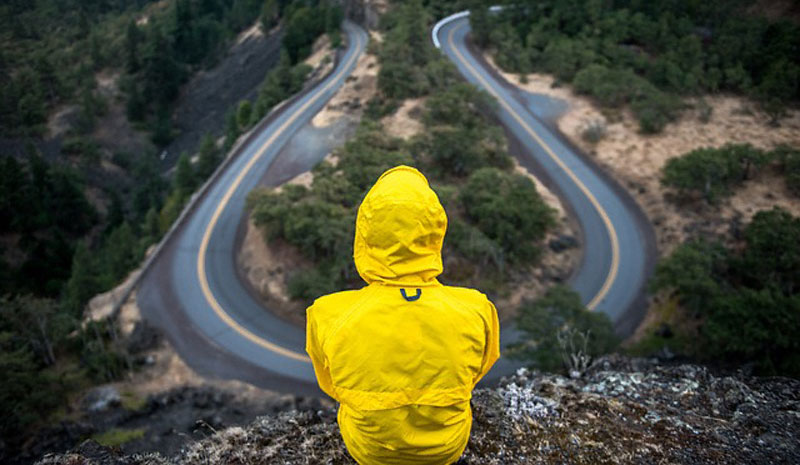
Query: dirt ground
[[636, 160], [352, 97], [405, 122]]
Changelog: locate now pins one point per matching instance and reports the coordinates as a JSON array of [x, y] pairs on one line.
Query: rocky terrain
[[620, 410]]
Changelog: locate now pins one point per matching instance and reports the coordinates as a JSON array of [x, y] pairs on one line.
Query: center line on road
[[201, 255]]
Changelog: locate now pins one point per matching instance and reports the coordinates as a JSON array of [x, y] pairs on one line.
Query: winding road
[[192, 290]]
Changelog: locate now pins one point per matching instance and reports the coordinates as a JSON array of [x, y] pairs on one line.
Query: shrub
[[594, 131], [508, 209], [746, 297], [244, 114], [713, 172], [789, 158], [553, 323]]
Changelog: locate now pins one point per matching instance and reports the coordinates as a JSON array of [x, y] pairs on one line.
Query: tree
[[231, 130], [269, 15], [37, 323], [133, 37], [185, 179], [772, 255], [161, 74], [32, 392], [82, 284], [301, 29], [706, 171], [152, 227], [508, 209], [119, 255], [244, 114], [549, 325], [208, 159], [790, 161], [479, 22], [745, 298], [695, 272], [162, 127]]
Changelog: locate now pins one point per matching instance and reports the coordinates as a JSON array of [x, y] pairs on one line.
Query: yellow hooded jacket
[[402, 354]]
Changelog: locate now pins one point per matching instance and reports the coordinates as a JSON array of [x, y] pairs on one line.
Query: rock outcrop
[[620, 411]]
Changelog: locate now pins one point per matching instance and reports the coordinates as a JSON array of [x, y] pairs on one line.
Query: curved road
[[193, 292]]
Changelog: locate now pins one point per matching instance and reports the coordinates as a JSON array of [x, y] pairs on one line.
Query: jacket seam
[[346, 317]]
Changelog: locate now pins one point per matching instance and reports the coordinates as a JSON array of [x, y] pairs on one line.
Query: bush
[[654, 109], [552, 324], [747, 298], [789, 158], [594, 131], [244, 114], [713, 172], [508, 209]]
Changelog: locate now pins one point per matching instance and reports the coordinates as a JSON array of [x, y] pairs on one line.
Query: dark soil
[[207, 97]]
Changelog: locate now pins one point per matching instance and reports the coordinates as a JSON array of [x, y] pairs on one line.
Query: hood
[[399, 230]]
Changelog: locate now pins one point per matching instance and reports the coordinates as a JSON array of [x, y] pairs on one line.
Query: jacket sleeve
[[491, 351], [318, 358]]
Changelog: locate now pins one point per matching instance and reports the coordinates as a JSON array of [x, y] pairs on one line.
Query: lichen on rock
[[621, 410]]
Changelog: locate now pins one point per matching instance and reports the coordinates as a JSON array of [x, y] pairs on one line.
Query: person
[[403, 354]]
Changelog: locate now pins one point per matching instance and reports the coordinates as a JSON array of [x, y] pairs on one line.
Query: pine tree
[[133, 37], [208, 159], [185, 180], [269, 15], [231, 130], [82, 284]]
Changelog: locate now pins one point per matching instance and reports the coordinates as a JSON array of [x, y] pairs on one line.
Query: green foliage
[[116, 437], [508, 209], [458, 140], [208, 159], [550, 322], [713, 172], [479, 22], [280, 83], [747, 298], [231, 130], [613, 87], [303, 26], [645, 55], [35, 323], [185, 180], [45, 205], [30, 391], [789, 159], [405, 53], [694, 270], [269, 15], [244, 114]]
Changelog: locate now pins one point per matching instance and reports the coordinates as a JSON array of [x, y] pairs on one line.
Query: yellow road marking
[[612, 273], [201, 255]]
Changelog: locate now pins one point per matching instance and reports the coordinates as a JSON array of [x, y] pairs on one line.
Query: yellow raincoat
[[402, 354]]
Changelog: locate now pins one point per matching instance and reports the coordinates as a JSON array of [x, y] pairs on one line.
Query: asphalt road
[[617, 240], [193, 292]]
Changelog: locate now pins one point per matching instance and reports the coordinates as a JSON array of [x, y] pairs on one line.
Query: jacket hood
[[400, 228]]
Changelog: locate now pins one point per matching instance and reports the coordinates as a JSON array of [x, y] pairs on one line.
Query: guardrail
[[232, 154], [461, 14]]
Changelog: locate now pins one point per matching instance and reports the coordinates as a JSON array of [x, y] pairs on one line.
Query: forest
[[648, 55], [58, 248]]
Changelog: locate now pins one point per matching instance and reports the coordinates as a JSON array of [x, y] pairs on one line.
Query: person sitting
[[402, 354]]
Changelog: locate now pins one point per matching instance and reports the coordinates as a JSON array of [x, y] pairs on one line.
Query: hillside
[[620, 411]]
